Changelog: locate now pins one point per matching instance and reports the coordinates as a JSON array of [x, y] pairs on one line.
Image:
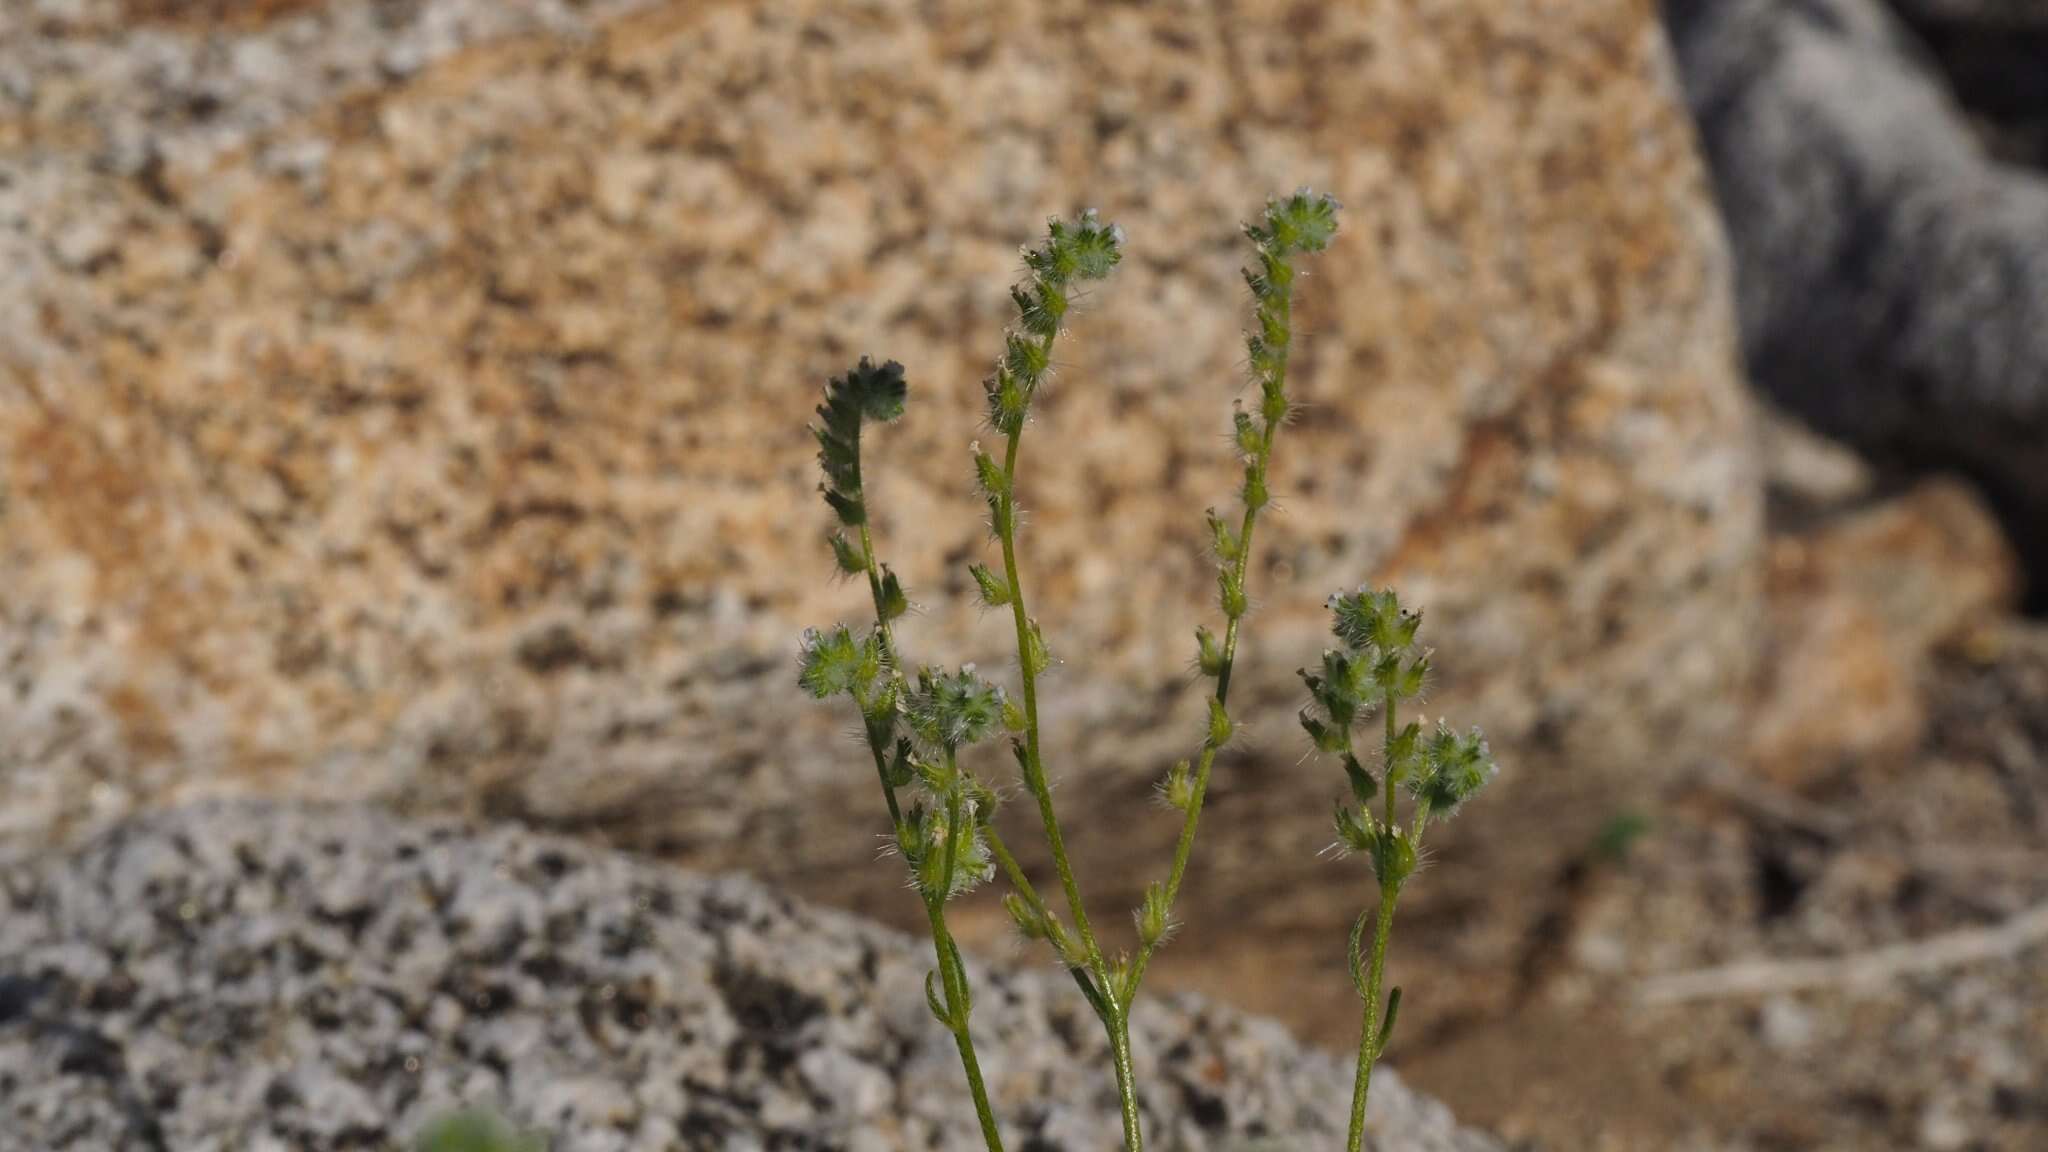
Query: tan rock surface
[[1859, 605], [410, 402]]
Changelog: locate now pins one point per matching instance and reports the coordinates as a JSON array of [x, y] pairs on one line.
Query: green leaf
[[1387, 1022]]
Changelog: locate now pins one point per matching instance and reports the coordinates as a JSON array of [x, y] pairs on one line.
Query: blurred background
[[403, 401]]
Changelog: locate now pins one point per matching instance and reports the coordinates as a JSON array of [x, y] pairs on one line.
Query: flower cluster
[[1378, 665]]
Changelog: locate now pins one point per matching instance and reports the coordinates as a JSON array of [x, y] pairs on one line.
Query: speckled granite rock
[[422, 419], [1893, 278], [257, 976]]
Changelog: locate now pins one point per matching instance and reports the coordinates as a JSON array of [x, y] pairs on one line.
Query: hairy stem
[[1022, 883], [1108, 1002], [1034, 767], [1126, 1083], [953, 977], [1184, 847], [952, 969], [867, 549], [1383, 927], [1368, 1029]]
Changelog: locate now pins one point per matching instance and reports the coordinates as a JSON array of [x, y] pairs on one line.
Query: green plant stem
[[953, 976], [1109, 1004], [1034, 767], [867, 550], [1383, 929], [1184, 848], [1024, 887], [952, 968], [1368, 1029]]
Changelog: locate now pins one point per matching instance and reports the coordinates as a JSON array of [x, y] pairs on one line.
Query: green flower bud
[[1454, 768], [834, 662], [1151, 916], [994, 482], [1208, 653], [848, 554], [1255, 494], [1230, 589], [1008, 403], [1223, 539], [893, 602], [1393, 857], [1331, 738], [1030, 924], [1220, 726], [995, 591], [900, 772], [1177, 789], [1273, 405], [1036, 656], [1363, 787], [949, 710], [1249, 440], [1024, 358], [1401, 751], [1356, 830]]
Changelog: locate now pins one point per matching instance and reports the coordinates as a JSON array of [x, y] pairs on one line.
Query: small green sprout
[[477, 1132], [1378, 665]]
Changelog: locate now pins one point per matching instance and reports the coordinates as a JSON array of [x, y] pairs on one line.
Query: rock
[[1990, 52], [175, 984], [432, 430], [1893, 279], [1859, 605]]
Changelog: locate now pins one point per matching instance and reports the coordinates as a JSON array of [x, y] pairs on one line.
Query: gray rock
[[432, 430], [1893, 278], [252, 975]]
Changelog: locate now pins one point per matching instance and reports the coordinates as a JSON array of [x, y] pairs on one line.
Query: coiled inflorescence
[[1072, 254], [914, 731]]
